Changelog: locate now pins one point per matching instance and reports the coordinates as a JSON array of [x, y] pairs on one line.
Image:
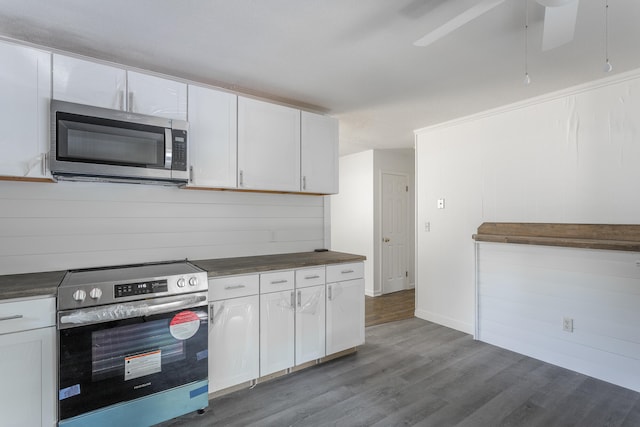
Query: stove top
[[109, 285]]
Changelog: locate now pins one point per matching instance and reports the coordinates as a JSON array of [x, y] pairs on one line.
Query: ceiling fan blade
[[458, 21], [559, 25]]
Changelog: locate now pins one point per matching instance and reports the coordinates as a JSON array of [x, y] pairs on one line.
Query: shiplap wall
[[65, 225], [524, 292]]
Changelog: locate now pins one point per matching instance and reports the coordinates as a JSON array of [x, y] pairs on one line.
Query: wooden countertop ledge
[[615, 237]]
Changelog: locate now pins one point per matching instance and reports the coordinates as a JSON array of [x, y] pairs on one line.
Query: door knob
[[385, 239]]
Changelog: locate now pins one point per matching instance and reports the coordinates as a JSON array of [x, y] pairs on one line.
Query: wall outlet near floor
[[567, 324]]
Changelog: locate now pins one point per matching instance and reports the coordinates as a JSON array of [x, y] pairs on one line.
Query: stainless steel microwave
[[99, 144]]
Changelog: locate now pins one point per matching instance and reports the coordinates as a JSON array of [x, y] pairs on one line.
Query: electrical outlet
[[427, 226], [567, 324]]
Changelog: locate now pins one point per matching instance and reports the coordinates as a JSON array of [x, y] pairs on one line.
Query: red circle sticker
[[184, 325]]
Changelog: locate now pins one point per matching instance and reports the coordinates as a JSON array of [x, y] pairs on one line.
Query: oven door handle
[[129, 310]]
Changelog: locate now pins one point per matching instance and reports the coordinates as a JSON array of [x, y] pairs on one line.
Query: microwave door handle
[[168, 148]]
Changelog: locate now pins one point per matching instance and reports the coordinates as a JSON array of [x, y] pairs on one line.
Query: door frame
[[378, 284]]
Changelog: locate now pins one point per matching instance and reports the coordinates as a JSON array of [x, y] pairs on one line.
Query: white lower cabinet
[[277, 317], [301, 319], [234, 327], [310, 324], [28, 364], [345, 310]]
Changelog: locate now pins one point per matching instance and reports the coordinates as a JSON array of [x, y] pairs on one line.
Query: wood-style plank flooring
[[389, 307], [413, 372]]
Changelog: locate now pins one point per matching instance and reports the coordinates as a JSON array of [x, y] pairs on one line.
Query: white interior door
[[394, 232]]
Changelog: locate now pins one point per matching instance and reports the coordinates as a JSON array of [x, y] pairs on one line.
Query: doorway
[[394, 221]]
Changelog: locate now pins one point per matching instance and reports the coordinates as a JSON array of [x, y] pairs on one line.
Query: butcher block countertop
[[254, 264], [34, 285], [615, 237]]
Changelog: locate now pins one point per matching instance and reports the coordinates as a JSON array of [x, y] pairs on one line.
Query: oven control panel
[[141, 288]]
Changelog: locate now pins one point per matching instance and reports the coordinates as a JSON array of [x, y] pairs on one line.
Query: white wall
[[525, 292], [352, 211], [46, 227], [573, 156]]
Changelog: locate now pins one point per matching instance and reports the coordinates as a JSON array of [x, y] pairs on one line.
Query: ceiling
[[352, 59]]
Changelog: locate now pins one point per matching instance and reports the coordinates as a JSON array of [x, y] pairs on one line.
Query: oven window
[[149, 344], [116, 361]]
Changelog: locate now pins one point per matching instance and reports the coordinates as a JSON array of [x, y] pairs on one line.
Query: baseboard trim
[[467, 328]]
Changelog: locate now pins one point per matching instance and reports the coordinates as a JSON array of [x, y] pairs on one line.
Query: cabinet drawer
[[340, 272], [276, 281], [27, 314], [310, 277], [233, 287]]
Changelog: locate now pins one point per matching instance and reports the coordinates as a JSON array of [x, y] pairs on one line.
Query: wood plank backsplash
[[67, 225]]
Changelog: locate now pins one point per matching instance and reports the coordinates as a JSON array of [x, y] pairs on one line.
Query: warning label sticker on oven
[[142, 364], [184, 325]]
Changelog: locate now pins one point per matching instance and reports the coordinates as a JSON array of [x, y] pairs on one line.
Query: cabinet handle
[[346, 271], [121, 99], [304, 182], [299, 298], [211, 314], [43, 164], [329, 293], [228, 288], [241, 183], [190, 173], [130, 106], [315, 276], [277, 282], [293, 299], [15, 316]]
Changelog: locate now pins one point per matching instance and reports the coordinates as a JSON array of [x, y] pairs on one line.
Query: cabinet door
[[310, 324], [25, 85], [156, 96], [90, 83], [212, 137], [276, 331], [319, 144], [268, 146], [345, 315], [233, 342], [28, 387]]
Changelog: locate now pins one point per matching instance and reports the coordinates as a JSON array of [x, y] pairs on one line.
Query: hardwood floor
[[413, 372], [390, 307]]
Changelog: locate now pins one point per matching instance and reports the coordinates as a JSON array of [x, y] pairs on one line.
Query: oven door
[[121, 352]]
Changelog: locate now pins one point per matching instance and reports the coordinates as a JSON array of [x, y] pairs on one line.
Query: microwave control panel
[[179, 150]]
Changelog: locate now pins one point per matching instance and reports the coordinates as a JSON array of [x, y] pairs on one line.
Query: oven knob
[[95, 293], [193, 281], [181, 282], [79, 295]]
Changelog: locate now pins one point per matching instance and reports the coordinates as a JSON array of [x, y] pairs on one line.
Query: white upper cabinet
[[212, 137], [156, 96], [319, 154], [25, 85], [268, 146], [89, 83]]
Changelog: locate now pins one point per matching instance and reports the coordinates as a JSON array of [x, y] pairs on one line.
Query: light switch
[[440, 203]]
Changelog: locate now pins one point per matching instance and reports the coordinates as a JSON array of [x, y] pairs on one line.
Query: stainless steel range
[[132, 345]]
